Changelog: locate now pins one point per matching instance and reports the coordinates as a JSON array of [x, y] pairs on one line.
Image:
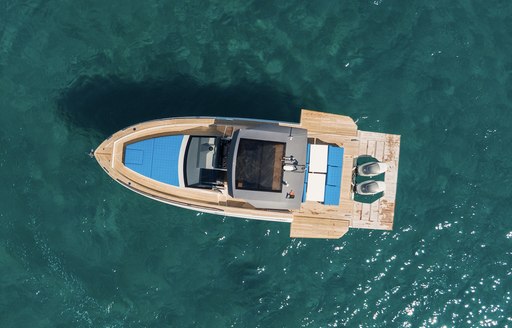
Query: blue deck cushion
[[332, 195], [155, 158], [133, 156], [335, 156], [333, 175], [333, 180], [306, 171]]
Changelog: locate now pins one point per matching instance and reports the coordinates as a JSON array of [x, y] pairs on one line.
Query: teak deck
[[312, 220]]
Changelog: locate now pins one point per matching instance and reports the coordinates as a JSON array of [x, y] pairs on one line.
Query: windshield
[[205, 162]]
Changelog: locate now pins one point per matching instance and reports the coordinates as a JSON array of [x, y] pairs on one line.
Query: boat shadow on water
[[109, 103]]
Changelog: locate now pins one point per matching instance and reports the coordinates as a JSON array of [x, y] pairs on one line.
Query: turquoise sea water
[[78, 250]]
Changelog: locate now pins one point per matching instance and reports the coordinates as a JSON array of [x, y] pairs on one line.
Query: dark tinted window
[[259, 165]]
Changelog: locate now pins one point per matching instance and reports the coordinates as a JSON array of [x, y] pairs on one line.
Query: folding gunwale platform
[[312, 219]]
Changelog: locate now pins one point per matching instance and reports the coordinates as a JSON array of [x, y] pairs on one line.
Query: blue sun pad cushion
[[308, 149], [335, 156], [133, 156], [306, 171], [155, 158], [333, 176], [333, 180]]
